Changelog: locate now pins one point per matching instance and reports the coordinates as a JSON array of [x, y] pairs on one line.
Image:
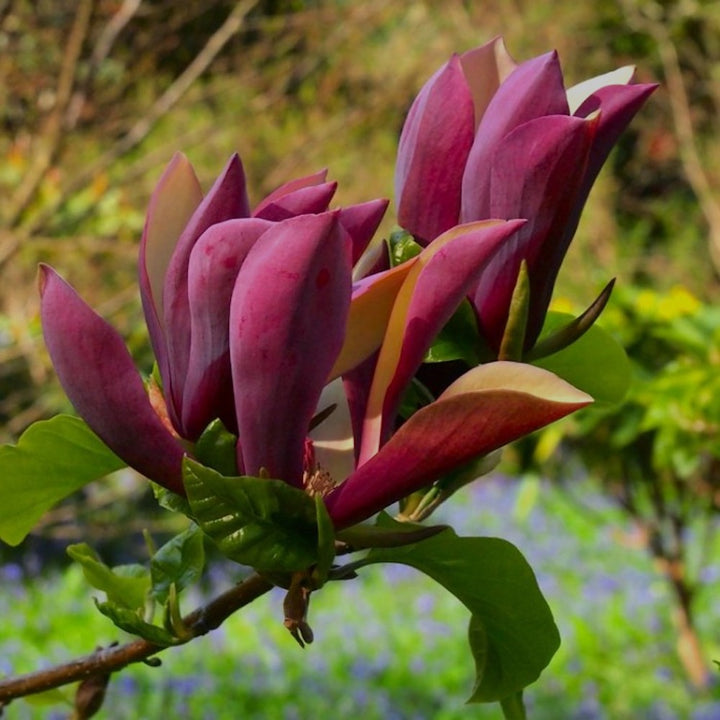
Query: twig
[[199, 622]]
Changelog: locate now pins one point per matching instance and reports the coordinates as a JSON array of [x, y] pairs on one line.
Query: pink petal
[[215, 261], [533, 90], [306, 200], [287, 323], [361, 221], [290, 187], [433, 149], [226, 199], [487, 408], [98, 375]]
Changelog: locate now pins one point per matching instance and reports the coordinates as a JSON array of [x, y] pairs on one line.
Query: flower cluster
[[281, 323]]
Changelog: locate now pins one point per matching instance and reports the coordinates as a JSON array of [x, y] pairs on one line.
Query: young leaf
[[129, 621], [402, 247], [216, 449], [52, 460], [513, 634], [513, 340], [179, 561], [125, 585], [458, 340], [595, 363], [266, 524]]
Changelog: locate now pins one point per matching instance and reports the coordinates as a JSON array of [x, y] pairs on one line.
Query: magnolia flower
[[489, 138], [198, 257], [256, 321]]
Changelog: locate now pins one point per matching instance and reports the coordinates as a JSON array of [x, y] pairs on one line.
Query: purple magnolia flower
[[281, 275], [488, 138], [255, 319]]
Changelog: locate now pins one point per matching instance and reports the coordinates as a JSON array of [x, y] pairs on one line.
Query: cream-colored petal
[[577, 94]]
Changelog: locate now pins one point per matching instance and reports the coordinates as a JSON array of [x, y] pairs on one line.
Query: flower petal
[[215, 261], [290, 187], [438, 281], [304, 201], [617, 105], [287, 323], [172, 204], [333, 438], [533, 90], [536, 173], [361, 221], [487, 408], [577, 94], [98, 375], [486, 68], [432, 152], [226, 199], [372, 302]]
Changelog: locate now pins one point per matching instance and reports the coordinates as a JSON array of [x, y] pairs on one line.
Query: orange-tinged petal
[[370, 309], [484, 410], [415, 320]]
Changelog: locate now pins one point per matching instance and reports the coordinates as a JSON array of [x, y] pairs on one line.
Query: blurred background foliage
[[96, 95]]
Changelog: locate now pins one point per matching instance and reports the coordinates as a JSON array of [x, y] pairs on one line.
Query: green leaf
[[571, 332], [402, 247], [513, 635], [52, 460], [513, 340], [361, 537], [125, 585], [129, 621], [216, 448], [266, 524], [458, 340], [179, 561], [326, 540], [595, 363]]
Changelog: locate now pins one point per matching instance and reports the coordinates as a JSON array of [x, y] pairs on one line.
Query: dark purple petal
[[305, 201], [227, 199], [533, 90], [287, 325], [471, 419], [290, 187], [536, 173], [215, 261], [361, 221], [433, 149], [98, 375]]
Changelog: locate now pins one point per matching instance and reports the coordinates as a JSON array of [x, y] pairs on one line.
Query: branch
[[112, 659]]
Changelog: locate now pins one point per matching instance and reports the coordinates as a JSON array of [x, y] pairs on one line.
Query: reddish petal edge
[[449, 433]]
